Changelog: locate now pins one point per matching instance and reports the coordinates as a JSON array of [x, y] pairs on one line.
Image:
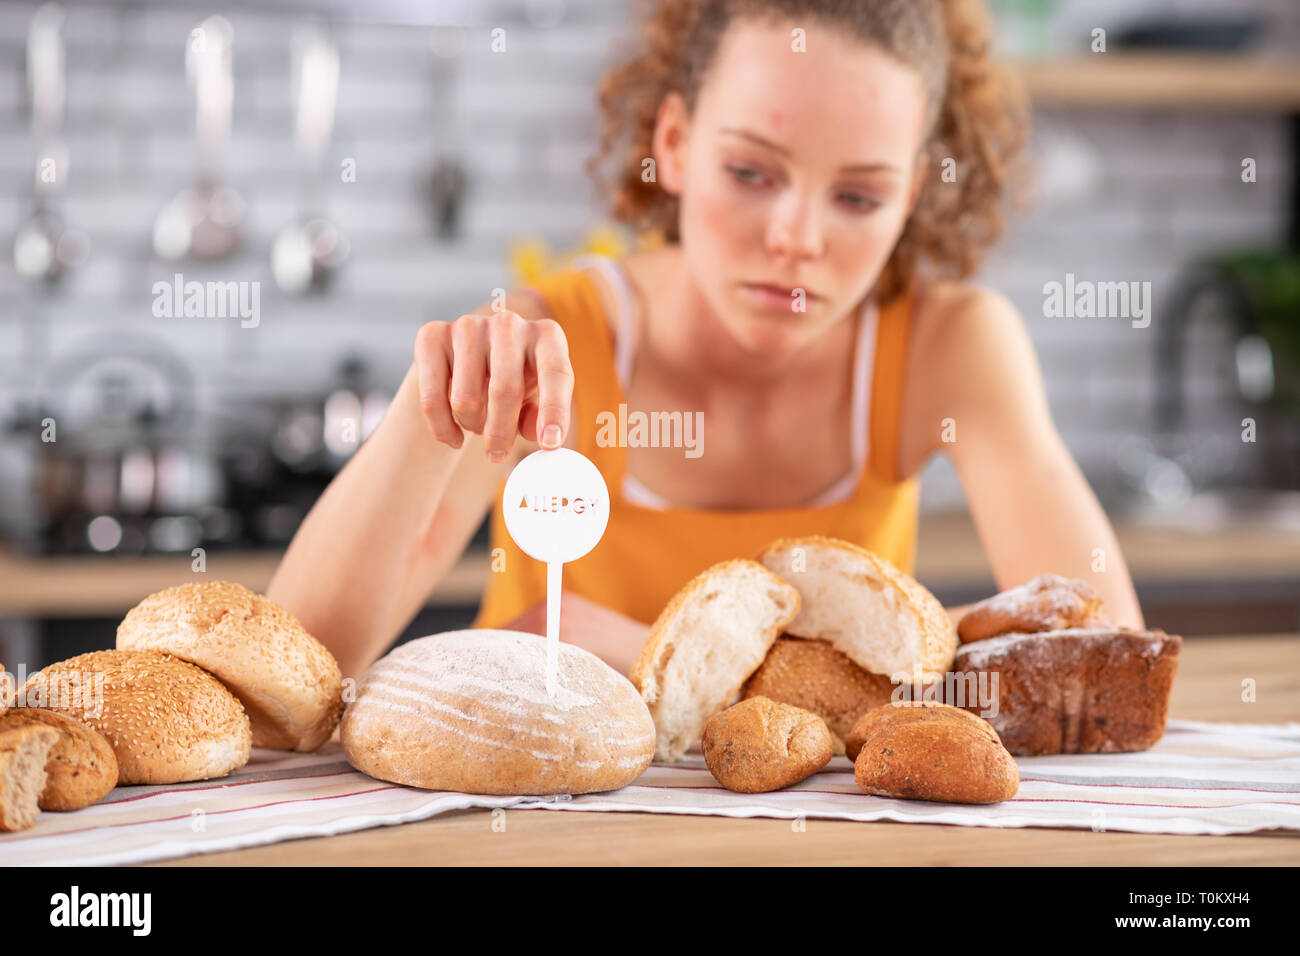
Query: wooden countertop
[[949, 553], [1208, 687], [1132, 80]]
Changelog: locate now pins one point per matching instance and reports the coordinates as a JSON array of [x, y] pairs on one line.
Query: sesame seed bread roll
[[81, 768], [289, 684], [880, 618], [166, 720], [23, 755], [712, 635], [468, 711]]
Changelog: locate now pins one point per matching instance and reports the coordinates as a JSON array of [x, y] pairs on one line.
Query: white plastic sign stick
[[556, 507]]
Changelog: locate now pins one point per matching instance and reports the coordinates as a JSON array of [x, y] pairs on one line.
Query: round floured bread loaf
[[288, 682], [80, 770], [468, 711], [167, 720]]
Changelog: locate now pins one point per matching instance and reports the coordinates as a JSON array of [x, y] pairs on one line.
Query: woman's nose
[[795, 229]]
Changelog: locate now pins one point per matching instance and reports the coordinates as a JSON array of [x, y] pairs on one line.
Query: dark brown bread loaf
[[1047, 603], [1081, 690], [81, 769], [814, 675], [930, 751], [23, 755], [761, 744]]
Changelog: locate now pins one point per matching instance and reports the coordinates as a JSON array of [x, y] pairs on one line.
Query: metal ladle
[[203, 221], [44, 247], [306, 253]]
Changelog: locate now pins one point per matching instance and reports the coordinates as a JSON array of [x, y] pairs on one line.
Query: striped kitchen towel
[[1201, 778]]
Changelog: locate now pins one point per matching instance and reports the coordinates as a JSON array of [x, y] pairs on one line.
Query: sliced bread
[[712, 635], [880, 618]]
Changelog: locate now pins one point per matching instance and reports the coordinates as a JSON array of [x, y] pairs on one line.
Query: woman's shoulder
[[963, 327]]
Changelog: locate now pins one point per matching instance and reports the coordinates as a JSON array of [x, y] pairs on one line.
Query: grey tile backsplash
[[1123, 195]]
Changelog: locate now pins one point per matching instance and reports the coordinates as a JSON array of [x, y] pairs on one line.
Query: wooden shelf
[[1170, 80]]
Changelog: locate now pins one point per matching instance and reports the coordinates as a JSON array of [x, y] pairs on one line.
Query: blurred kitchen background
[[418, 170]]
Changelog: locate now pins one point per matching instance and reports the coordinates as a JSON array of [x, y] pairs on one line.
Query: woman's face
[[796, 171]]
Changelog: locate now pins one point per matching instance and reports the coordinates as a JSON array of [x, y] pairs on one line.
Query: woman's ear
[[669, 142]]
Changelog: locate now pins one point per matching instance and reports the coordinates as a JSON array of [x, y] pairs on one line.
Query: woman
[[823, 174]]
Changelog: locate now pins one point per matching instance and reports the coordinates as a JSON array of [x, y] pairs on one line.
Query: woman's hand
[[613, 638], [498, 375]]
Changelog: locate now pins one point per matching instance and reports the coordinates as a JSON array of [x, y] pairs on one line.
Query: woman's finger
[[433, 369], [469, 372], [550, 357], [505, 390]]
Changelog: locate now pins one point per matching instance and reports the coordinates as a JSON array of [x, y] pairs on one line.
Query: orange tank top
[[648, 553]]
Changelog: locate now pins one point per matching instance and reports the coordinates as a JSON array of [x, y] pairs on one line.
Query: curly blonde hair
[[977, 115]]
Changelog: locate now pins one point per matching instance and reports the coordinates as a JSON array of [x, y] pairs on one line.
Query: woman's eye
[[746, 175], [859, 202]]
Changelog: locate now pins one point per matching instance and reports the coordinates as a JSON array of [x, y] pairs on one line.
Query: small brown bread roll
[[929, 751], [469, 711], [1047, 603], [23, 754], [813, 675], [288, 682], [167, 720], [81, 769], [760, 745]]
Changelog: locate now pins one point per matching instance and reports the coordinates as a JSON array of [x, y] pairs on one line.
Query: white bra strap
[[626, 319]]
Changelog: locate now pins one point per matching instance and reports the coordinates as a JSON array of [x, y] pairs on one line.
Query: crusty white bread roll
[[712, 635], [880, 618], [167, 720], [289, 684], [468, 711]]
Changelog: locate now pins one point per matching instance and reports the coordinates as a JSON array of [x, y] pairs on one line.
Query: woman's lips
[[776, 296]]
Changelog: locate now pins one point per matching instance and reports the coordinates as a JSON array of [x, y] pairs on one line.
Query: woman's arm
[[1031, 505], [385, 531], [400, 513]]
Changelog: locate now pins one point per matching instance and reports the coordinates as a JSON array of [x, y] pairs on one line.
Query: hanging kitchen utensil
[[305, 254], [44, 246], [203, 221], [446, 181]]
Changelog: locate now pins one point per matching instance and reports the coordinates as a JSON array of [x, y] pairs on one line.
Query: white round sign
[[556, 505]]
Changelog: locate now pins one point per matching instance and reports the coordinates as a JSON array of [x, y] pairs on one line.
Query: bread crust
[[167, 720], [937, 631], [760, 744], [1077, 690], [1048, 602], [813, 675], [24, 752], [289, 683], [81, 768], [930, 751]]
